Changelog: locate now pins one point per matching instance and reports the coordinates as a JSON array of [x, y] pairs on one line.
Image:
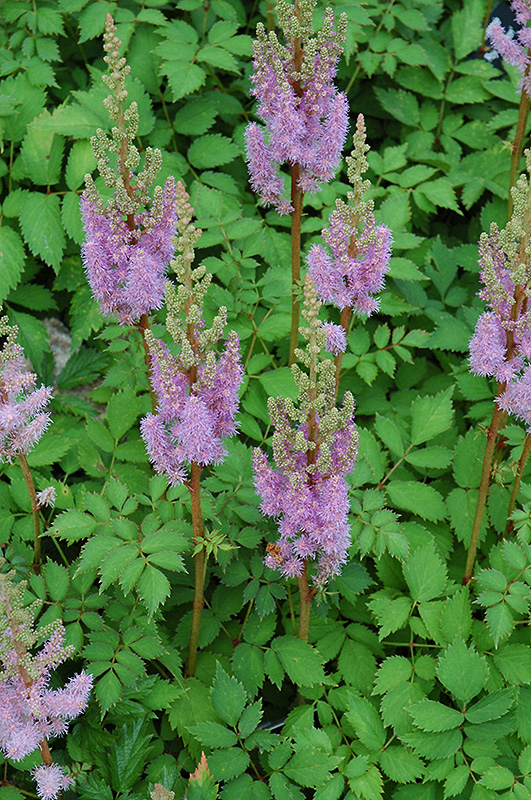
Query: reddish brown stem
[[144, 326], [516, 485], [296, 218], [306, 596], [338, 360], [518, 144], [483, 490], [194, 486], [24, 466]]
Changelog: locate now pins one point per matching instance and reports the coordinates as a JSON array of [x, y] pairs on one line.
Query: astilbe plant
[[314, 447], [501, 344], [305, 117], [30, 711], [128, 239], [196, 391], [23, 420], [350, 270]]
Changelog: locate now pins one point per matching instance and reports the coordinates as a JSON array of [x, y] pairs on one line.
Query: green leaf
[[12, 258], [419, 498], [456, 781], [40, 222], [80, 161], [425, 574], [369, 785], [365, 719], [500, 621], [108, 691], [73, 525], [493, 706], [429, 715], [228, 764], [128, 755], [57, 581], [196, 117], [279, 382], [392, 672], [395, 211], [183, 77], [456, 617], [401, 765], [212, 734], [440, 192], [431, 416], [389, 434], [310, 765], [228, 696], [497, 778], [514, 663], [212, 150], [300, 660], [462, 670], [400, 104], [153, 587], [92, 20], [42, 153], [71, 217], [122, 410], [435, 457], [392, 615]]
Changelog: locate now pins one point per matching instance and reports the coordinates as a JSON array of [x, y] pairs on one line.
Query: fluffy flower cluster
[[501, 344], [314, 447], [29, 710], [23, 415], [352, 268], [312, 508], [514, 49], [126, 268], [51, 780], [191, 420], [306, 118]]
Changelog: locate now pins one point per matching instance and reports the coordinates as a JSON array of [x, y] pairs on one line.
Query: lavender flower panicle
[[128, 241], [314, 447], [305, 117], [196, 390], [501, 344], [23, 415], [31, 712], [352, 269]]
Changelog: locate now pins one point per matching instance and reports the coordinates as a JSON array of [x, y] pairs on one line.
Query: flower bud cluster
[[305, 117], [23, 415], [352, 270], [315, 445], [197, 388], [501, 344], [128, 240]]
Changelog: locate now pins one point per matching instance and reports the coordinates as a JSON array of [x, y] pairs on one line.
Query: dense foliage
[[411, 684]]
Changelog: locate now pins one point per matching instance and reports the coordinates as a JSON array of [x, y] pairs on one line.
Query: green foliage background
[[412, 686]]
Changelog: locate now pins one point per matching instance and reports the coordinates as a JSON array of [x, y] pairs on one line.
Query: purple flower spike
[[305, 117], [349, 268], [23, 414]]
